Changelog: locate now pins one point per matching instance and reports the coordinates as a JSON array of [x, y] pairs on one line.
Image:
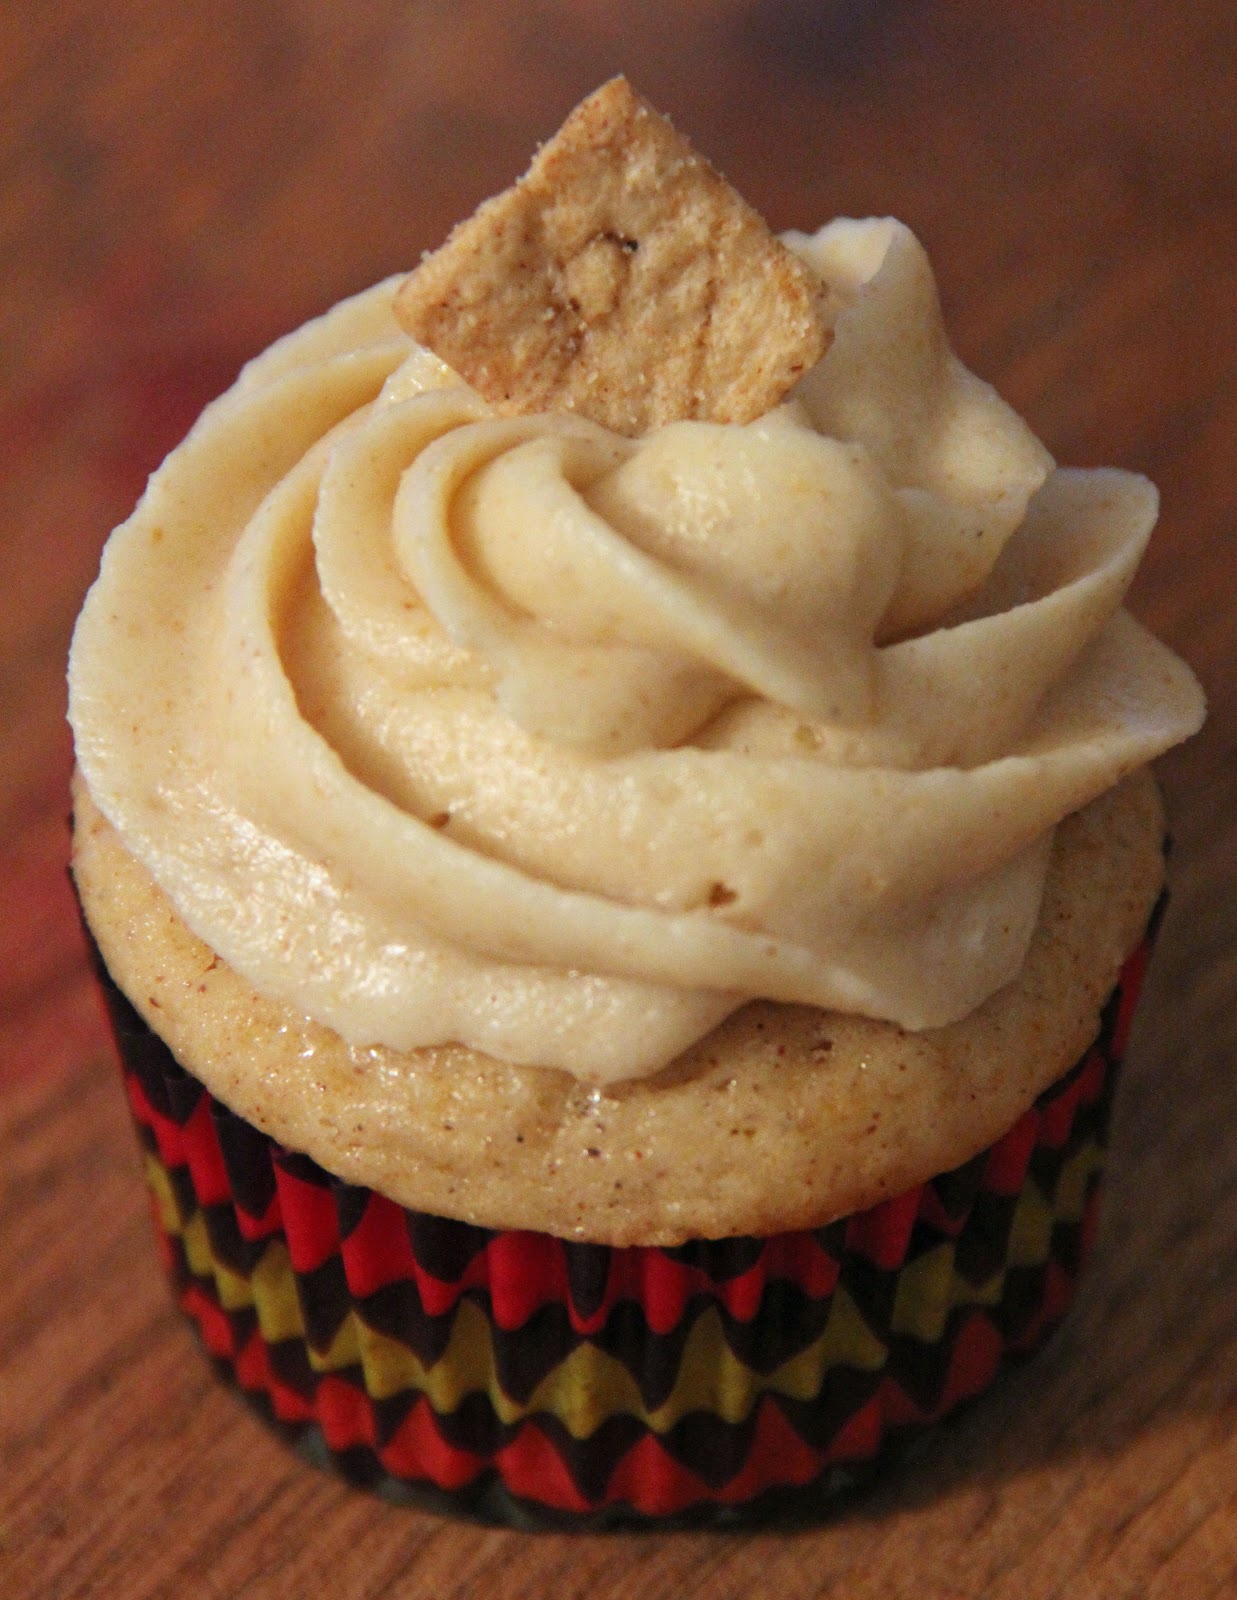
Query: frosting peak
[[561, 744]]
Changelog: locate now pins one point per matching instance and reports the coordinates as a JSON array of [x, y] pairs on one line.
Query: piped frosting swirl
[[444, 726]]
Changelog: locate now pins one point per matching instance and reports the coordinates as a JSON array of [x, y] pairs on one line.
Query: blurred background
[[182, 182]]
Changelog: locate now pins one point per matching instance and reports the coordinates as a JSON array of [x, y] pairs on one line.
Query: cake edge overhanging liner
[[497, 1366]]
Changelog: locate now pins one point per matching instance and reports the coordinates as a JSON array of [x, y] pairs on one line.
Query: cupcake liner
[[530, 1379]]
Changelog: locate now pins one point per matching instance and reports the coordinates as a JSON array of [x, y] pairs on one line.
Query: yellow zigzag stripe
[[589, 1386], [929, 1288], [160, 1186]]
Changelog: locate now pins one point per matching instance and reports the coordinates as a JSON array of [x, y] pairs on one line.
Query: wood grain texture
[[179, 184]]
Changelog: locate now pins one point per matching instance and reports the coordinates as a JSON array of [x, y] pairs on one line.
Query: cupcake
[[612, 805]]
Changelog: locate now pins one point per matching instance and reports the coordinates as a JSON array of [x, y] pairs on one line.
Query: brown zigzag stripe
[[709, 1446], [712, 1450], [487, 1498], [922, 1365], [924, 1370], [787, 1321], [503, 1371]]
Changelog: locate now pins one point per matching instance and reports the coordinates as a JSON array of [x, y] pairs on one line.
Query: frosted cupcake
[[620, 851]]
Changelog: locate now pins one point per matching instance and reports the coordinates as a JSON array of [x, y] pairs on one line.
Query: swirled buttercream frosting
[[443, 726]]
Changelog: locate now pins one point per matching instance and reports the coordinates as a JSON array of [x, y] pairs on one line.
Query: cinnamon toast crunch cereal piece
[[621, 277]]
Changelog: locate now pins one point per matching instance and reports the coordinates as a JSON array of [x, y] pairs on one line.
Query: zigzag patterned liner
[[524, 1378]]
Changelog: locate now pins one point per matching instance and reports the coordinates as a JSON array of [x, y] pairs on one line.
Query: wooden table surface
[[180, 183]]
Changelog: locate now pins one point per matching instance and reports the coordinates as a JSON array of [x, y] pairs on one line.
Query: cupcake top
[[782, 1117], [445, 712]]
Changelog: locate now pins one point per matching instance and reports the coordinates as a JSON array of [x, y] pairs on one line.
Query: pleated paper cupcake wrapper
[[525, 1378]]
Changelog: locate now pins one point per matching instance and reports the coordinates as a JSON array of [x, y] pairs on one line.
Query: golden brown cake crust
[[783, 1117]]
